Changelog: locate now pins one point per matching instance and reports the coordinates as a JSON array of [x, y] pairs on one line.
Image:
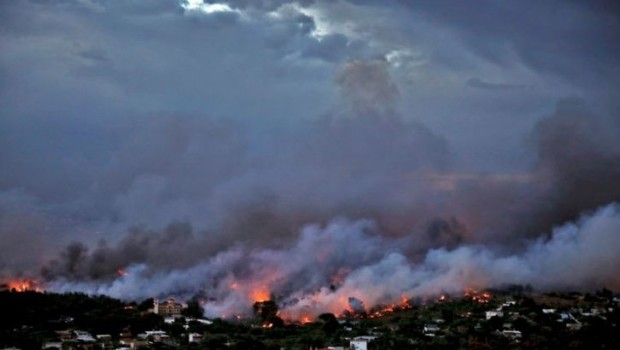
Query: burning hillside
[[348, 214], [22, 285], [346, 267]]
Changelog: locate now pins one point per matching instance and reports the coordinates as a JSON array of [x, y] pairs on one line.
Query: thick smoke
[[355, 209], [350, 266], [579, 158]]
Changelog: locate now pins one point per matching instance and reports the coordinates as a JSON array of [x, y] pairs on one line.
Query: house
[[430, 329], [509, 303], [52, 345], [512, 334], [169, 320], [493, 313], [83, 336], [361, 343], [202, 321], [195, 337], [65, 335], [167, 308]]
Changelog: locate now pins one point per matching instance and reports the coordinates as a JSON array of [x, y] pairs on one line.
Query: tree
[[146, 305], [330, 323], [265, 310], [194, 309]]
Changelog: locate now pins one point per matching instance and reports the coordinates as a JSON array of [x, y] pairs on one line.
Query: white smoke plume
[[350, 266]]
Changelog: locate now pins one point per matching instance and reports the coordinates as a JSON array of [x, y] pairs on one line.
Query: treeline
[[36, 316]]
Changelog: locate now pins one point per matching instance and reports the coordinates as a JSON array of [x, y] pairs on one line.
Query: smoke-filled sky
[[310, 149]]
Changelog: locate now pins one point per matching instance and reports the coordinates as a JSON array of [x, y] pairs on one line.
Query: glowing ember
[[479, 297]]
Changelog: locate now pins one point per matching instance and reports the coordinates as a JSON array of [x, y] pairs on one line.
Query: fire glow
[[479, 297], [404, 305], [24, 285], [260, 295]]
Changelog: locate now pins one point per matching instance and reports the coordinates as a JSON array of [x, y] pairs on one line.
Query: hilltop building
[[167, 308]]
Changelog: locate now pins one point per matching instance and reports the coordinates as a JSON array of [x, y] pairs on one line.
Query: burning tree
[[267, 312]]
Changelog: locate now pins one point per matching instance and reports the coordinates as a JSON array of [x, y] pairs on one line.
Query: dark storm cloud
[[574, 40]]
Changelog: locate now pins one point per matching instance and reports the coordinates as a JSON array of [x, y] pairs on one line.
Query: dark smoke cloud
[[579, 153], [282, 197], [350, 163], [581, 255], [365, 162]]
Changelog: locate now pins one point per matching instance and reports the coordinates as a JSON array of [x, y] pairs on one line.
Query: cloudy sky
[[244, 120]]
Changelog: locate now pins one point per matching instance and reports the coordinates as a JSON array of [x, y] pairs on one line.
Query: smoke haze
[[314, 153]]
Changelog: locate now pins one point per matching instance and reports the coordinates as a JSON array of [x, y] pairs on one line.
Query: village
[[512, 319]]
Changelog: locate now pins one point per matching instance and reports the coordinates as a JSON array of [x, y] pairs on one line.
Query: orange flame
[[24, 285], [479, 297], [260, 294], [404, 302]]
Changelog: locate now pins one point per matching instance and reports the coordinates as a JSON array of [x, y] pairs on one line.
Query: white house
[[430, 329], [361, 343], [493, 313], [195, 337], [84, 336]]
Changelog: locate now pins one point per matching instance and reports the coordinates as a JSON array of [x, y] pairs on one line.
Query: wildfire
[[479, 297], [121, 272], [404, 302], [404, 305], [24, 285], [305, 319], [260, 295], [442, 298], [382, 312]]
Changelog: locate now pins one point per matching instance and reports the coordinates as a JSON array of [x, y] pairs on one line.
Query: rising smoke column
[[271, 221]]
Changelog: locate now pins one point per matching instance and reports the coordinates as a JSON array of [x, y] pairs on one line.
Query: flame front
[[24, 285], [479, 297], [260, 294]]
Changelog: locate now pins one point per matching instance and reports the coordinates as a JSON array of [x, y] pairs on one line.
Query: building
[[361, 343], [430, 329], [168, 308], [512, 334], [195, 337], [83, 336], [493, 313]]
